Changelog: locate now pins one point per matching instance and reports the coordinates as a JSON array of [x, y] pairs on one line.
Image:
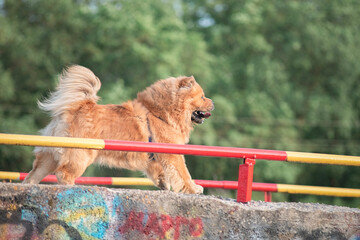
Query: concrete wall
[[81, 212]]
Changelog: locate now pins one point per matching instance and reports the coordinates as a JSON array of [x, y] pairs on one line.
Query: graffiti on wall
[[161, 225], [85, 211], [19, 220], [79, 213]]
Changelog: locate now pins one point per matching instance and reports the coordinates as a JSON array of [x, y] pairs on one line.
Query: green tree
[[128, 44], [291, 79]]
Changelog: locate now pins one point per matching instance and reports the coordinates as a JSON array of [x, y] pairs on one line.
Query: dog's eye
[[203, 97]]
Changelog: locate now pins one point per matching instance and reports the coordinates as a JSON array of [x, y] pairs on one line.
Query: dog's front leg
[[177, 174], [156, 174]]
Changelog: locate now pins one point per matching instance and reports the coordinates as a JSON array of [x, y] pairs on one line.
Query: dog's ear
[[186, 82]]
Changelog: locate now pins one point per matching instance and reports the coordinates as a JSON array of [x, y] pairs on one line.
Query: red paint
[[153, 225], [261, 187], [79, 180], [50, 178], [264, 187], [212, 151], [22, 176], [94, 180], [196, 227], [246, 172], [133, 222], [179, 221], [217, 184], [166, 224], [267, 196], [159, 225]]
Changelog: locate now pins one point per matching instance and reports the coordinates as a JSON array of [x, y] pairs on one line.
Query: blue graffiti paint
[[84, 210], [33, 202], [118, 212], [117, 203], [28, 215], [355, 237]]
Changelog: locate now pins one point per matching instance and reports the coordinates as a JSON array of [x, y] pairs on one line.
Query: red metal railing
[[267, 188], [245, 183]]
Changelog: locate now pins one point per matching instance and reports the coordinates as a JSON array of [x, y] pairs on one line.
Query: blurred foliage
[[283, 75]]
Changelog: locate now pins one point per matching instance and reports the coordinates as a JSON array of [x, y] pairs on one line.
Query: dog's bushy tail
[[76, 83]]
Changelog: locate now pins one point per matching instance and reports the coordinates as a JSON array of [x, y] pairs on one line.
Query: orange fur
[[163, 112]]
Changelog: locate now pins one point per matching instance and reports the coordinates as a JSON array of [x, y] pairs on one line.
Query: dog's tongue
[[207, 115]]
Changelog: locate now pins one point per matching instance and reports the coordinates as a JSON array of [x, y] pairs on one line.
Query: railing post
[[246, 172], [267, 196]]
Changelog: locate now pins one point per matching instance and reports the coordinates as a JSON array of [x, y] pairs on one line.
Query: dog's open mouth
[[199, 116]]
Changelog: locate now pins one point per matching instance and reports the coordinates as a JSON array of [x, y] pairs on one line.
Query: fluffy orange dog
[[165, 112]]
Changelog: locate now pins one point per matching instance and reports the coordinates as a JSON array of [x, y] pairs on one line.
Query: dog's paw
[[162, 183], [198, 189], [193, 189]]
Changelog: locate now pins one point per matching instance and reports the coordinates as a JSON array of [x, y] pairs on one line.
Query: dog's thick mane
[[156, 97], [163, 101], [76, 83]]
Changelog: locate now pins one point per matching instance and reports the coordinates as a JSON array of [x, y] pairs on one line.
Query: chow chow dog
[[165, 112]]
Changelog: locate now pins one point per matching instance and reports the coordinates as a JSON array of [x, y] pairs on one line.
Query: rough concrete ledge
[[82, 212]]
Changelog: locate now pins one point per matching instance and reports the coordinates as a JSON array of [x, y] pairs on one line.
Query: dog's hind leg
[[64, 177], [77, 160], [43, 165]]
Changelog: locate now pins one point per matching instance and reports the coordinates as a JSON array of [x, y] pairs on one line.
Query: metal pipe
[[212, 151], [233, 185]]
